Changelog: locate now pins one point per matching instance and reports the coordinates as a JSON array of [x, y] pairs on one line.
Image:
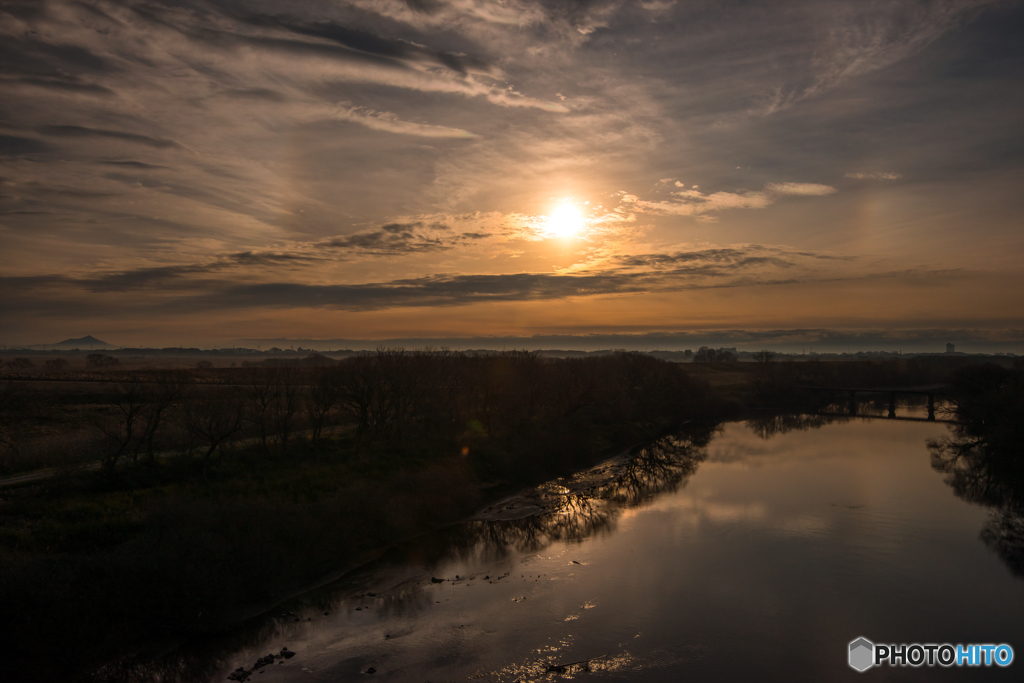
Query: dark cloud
[[185, 287], [133, 164], [37, 57], [724, 260], [83, 132], [425, 6], [432, 291], [147, 278], [294, 46], [178, 279], [248, 258], [392, 239], [69, 84], [724, 255], [96, 12], [13, 145], [262, 94], [364, 41]]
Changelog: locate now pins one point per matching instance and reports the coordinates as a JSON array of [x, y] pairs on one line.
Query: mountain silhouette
[[87, 342]]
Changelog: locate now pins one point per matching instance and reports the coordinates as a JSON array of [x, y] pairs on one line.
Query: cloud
[[132, 164], [802, 189], [388, 122], [83, 132], [725, 260], [165, 151], [368, 42], [62, 82], [249, 258], [14, 145], [693, 202], [867, 36], [179, 285], [877, 175]]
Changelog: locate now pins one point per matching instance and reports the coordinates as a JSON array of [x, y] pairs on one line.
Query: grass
[[93, 564]]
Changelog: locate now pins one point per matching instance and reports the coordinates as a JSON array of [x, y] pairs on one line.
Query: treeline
[[988, 401], [785, 385], [508, 412]]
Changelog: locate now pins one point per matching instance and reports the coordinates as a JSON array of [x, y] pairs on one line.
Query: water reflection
[[641, 568], [989, 474], [567, 510], [588, 503], [768, 427], [980, 469]]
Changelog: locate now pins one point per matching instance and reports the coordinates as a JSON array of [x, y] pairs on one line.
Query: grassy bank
[[95, 565]]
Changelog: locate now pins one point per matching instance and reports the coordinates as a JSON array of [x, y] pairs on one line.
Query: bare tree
[[168, 388], [211, 418], [260, 395], [285, 403], [123, 427], [321, 399], [764, 357], [12, 395], [357, 389]]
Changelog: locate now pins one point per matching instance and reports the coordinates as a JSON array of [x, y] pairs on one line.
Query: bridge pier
[[853, 402], [892, 404], [931, 407]]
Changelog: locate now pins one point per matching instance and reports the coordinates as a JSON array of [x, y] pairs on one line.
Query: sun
[[564, 221]]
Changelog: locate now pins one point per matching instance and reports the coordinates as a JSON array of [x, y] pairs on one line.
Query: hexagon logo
[[862, 654]]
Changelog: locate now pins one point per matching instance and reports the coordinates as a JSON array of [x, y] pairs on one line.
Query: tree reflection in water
[[565, 510], [981, 474], [773, 425], [590, 502], [983, 458]]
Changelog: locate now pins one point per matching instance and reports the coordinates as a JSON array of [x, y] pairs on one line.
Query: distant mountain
[[88, 342]]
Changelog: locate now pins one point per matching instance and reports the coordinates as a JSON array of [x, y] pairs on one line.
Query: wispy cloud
[[83, 132], [432, 291], [800, 189], [389, 122], [693, 202], [875, 175], [369, 154]]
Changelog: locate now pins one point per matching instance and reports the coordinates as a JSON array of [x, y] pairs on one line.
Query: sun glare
[[565, 221]]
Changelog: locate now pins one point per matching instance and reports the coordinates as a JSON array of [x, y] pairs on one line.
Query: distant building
[[950, 348]]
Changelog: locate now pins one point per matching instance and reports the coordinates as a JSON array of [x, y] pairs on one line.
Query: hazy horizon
[[197, 172], [782, 341]]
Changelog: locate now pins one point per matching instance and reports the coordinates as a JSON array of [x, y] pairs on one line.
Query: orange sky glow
[[209, 174]]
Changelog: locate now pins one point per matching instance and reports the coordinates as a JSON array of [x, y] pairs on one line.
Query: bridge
[[930, 391]]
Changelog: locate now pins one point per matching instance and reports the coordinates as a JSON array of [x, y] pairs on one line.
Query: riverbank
[[263, 498], [95, 563], [174, 559]]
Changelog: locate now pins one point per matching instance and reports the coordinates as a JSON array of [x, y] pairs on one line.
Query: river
[[757, 552]]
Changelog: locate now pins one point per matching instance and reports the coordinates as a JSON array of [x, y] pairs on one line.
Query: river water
[[757, 554]]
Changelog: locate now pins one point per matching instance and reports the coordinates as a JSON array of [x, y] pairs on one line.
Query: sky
[[201, 172]]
